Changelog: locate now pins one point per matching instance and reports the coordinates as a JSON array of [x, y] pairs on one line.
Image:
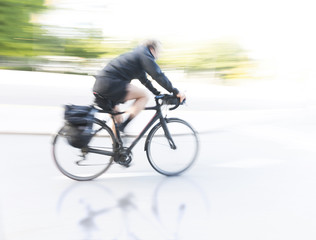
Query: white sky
[[280, 29]]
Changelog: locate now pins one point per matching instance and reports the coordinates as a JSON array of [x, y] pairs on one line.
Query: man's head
[[154, 46]]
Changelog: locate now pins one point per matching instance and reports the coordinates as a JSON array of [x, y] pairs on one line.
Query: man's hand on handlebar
[[182, 96]]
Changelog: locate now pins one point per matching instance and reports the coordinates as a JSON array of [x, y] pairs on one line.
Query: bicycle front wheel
[[162, 157], [79, 164]]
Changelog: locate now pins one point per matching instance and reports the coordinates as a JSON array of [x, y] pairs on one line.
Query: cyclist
[[113, 81]]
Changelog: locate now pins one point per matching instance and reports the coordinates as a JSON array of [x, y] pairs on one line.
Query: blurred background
[[220, 41]]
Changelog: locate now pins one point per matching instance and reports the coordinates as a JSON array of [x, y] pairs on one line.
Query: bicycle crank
[[124, 157]]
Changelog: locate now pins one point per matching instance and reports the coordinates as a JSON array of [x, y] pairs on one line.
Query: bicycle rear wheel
[[162, 157], [78, 164]]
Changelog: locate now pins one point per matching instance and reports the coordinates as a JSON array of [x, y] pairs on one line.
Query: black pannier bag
[[78, 125]]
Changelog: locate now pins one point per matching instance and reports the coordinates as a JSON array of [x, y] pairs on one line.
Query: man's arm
[[144, 80], [151, 67]]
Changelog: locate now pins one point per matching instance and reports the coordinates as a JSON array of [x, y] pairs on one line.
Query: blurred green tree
[[23, 40], [18, 34]]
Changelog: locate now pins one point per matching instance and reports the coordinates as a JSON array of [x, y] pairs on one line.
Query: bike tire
[[79, 164], [162, 157]]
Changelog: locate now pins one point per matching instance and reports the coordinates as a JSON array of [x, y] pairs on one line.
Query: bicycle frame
[[157, 116]]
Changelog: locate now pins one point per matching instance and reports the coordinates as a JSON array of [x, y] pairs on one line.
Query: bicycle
[[173, 137]]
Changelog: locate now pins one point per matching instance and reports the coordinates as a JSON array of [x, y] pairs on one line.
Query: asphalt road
[[255, 178], [246, 184]]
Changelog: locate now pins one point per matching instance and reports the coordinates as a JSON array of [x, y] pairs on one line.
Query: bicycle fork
[[167, 133]]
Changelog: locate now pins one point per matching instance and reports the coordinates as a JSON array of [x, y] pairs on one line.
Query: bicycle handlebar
[[168, 99]]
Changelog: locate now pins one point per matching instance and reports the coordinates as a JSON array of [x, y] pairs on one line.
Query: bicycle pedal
[[123, 163]]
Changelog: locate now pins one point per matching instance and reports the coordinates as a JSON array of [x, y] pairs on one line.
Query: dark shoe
[[122, 125], [121, 128]]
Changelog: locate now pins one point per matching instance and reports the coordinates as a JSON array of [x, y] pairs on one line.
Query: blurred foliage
[[27, 45], [22, 37], [225, 58], [16, 31]]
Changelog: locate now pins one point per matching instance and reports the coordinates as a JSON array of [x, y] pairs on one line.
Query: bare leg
[[141, 98]]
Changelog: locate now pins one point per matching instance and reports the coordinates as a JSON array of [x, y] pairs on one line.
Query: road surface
[[255, 177]]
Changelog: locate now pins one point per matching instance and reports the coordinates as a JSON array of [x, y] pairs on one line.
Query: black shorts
[[104, 103], [111, 88]]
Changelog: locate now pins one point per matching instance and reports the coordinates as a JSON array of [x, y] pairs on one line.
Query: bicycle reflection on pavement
[[171, 208]]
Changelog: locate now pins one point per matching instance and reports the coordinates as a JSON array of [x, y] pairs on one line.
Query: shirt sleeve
[[151, 67], [144, 80]]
